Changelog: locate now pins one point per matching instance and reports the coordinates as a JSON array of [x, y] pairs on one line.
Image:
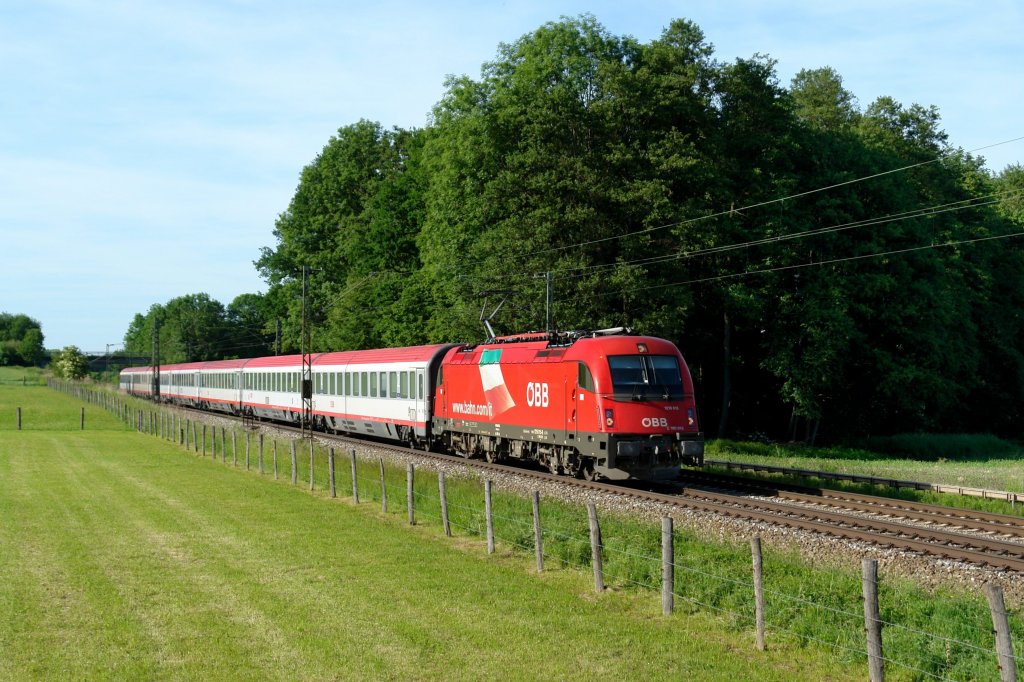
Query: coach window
[[393, 384], [419, 383], [373, 384], [403, 385], [363, 384], [383, 384]]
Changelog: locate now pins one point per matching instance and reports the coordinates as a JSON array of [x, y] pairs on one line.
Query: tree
[[821, 102], [21, 340], [192, 328], [70, 363]]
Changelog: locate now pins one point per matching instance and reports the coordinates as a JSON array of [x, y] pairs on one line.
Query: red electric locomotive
[[595, 404]]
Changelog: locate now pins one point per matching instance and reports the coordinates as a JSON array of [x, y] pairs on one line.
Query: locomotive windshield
[[646, 377]]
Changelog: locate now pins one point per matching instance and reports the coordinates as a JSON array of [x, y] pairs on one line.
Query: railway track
[[983, 539]]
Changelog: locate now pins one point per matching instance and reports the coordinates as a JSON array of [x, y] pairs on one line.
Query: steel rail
[[981, 521]]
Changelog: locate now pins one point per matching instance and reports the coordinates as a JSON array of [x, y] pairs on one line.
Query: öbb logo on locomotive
[[605, 404], [537, 394]]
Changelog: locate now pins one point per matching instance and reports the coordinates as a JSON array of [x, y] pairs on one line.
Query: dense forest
[[828, 269]]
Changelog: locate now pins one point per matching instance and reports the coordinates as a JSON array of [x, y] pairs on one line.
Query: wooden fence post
[[188, 426], [489, 516], [355, 479], [755, 551], [668, 566], [204, 441], [595, 548], [872, 622], [246, 450], [223, 446], [409, 474], [234, 448], [295, 466], [383, 489], [261, 453], [443, 492], [538, 538], [83, 420], [311, 463], [330, 471], [1001, 622], [19, 419], [275, 459], [195, 441]]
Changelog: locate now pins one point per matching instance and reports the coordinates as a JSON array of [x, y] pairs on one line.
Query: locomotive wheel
[[587, 472]]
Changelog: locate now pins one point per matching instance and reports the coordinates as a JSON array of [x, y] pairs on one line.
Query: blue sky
[[146, 148]]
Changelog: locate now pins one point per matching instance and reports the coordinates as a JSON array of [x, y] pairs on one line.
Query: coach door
[[418, 389]]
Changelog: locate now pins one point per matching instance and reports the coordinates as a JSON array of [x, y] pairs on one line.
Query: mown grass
[[812, 611], [122, 556]]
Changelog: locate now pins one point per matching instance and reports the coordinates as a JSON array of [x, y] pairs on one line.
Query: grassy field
[[976, 462], [124, 557], [19, 376]]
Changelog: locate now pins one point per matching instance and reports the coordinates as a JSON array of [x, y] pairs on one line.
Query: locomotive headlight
[[689, 416], [609, 418]]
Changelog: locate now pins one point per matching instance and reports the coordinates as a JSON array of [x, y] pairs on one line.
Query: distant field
[[22, 375], [124, 557]]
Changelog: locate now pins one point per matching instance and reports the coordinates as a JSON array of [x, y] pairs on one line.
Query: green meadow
[[124, 556]]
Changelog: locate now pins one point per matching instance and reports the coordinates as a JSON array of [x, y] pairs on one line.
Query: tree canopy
[[21, 341], [828, 270]]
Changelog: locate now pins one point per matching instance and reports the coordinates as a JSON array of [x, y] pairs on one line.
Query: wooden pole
[[668, 566], [295, 466], [489, 516], [195, 441], [82, 428], [538, 538], [409, 474], [246, 450], [204, 441], [311, 464], [234, 448], [261, 453], [330, 471], [442, 490], [872, 622], [1001, 622], [355, 479], [223, 446], [383, 490], [755, 551], [595, 548], [19, 419]]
